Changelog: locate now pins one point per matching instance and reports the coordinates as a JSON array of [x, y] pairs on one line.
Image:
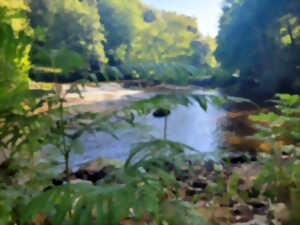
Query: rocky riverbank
[[222, 192]]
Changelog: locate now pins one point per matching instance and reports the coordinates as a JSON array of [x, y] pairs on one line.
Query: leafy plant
[[280, 180], [138, 190]]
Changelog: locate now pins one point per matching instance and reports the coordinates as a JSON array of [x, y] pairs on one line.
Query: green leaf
[[202, 101]]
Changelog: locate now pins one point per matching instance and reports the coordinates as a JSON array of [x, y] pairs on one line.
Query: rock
[[199, 184], [94, 176], [236, 159], [258, 207], [161, 112], [241, 214], [193, 191], [79, 181], [99, 164], [96, 170], [281, 212], [48, 188], [257, 220], [57, 182]]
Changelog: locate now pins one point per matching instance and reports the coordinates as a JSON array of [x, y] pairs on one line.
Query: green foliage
[[262, 44], [169, 38], [14, 49], [122, 21], [68, 24], [284, 124], [117, 32], [140, 190], [166, 37], [279, 180]]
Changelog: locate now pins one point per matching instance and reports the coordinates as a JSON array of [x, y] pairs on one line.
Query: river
[[202, 130]]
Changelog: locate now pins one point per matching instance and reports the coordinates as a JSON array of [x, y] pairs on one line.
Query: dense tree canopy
[[69, 24], [136, 33], [98, 34], [168, 37], [122, 21], [260, 40], [15, 34]]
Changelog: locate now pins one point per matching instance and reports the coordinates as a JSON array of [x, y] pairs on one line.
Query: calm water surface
[[189, 125]]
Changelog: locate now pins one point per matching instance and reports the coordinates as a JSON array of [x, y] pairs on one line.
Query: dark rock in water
[[57, 182], [161, 112], [199, 184]]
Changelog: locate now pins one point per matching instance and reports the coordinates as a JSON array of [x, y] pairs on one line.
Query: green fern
[[138, 189]]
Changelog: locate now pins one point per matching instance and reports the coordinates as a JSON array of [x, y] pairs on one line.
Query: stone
[[79, 181], [161, 112], [199, 184], [236, 159], [96, 170], [57, 182], [94, 176], [258, 207]]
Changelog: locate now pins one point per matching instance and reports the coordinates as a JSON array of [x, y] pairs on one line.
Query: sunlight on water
[[189, 125]]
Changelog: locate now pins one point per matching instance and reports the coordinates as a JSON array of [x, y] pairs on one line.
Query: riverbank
[[225, 192]]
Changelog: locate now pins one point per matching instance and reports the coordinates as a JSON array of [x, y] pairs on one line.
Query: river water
[[188, 125]]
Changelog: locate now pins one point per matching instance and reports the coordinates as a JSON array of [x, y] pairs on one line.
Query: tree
[[261, 44], [169, 38], [136, 33], [15, 38], [122, 20], [68, 24]]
